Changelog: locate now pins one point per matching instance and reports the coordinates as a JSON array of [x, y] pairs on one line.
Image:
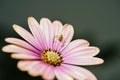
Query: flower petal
[[46, 27], [23, 56], [83, 61], [17, 49], [57, 25], [63, 34], [74, 45], [78, 72], [61, 75], [21, 43], [67, 32], [26, 65], [36, 31], [75, 74], [33, 70], [38, 69], [26, 35], [49, 73], [83, 53]]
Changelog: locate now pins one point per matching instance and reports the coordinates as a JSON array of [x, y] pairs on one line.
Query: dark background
[[97, 21]]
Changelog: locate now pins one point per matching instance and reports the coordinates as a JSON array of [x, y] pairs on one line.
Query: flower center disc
[[51, 57]]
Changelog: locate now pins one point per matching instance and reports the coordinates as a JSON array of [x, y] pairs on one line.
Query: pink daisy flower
[[48, 52]]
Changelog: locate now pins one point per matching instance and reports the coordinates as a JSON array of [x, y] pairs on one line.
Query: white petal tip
[[15, 26], [57, 21], [31, 18], [101, 61], [20, 66], [67, 25], [97, 50], [12, 56], [45, 19], [6, 39], [5, 49]]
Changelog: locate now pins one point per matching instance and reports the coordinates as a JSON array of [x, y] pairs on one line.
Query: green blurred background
[[98, 21]]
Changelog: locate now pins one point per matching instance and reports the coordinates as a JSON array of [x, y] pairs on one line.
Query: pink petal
[[75, 74], [57, 31], [26, 35], [83, 61], [34, 68], [26, 65], [74, 70], [43, 68], [33, 71], [57, 27], [67, 33], [74, 45], [17, 49], [61, 75], [37, 69], [47, 29], [83, 53], [23, 56], [37, 32], [49, 73], [21, 43]]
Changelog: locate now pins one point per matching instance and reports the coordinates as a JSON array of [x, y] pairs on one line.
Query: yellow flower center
[[51, 57]]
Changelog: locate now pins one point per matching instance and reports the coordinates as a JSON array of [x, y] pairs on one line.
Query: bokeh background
[[98, 21]]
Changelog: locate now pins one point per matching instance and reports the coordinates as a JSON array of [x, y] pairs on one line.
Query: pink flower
[[48, 52]]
